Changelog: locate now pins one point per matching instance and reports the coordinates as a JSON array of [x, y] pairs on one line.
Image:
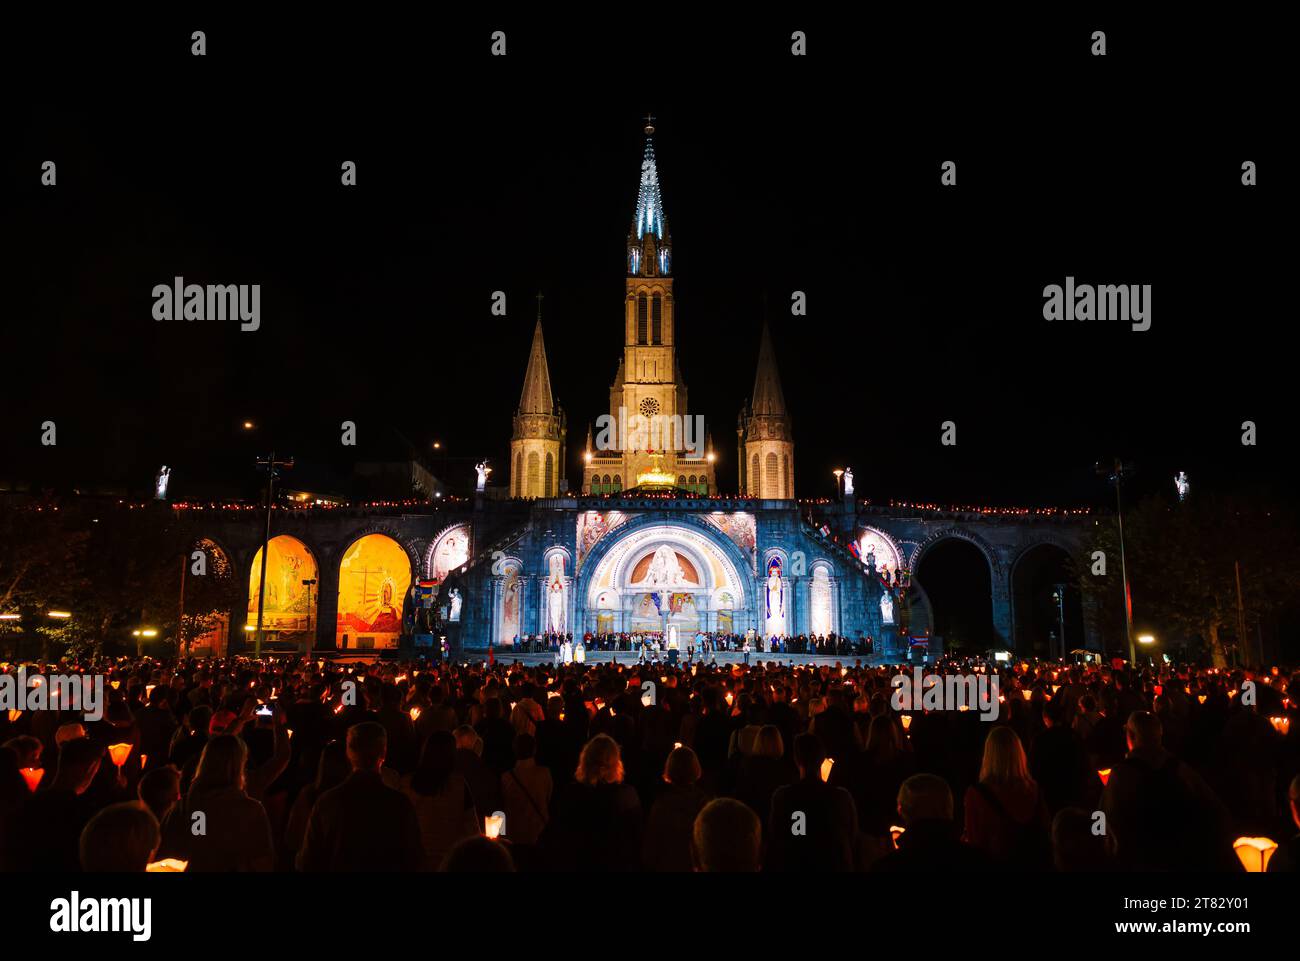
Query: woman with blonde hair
[[237, 832], [1006, 815], [596, 821], [525, 716]]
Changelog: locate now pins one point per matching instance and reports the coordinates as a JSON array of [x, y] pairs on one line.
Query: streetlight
[[1058, 595], [270, 463], [1116, 475], [838, 472]]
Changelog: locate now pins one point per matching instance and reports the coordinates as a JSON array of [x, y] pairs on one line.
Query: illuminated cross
[[649, 120]]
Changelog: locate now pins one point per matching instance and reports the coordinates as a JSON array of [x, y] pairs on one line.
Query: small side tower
[[537, 444], [766, 437]]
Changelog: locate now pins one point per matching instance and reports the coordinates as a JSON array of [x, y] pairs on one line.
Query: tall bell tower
[[648, 399]]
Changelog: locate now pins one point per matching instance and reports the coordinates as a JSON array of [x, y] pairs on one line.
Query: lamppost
[[1116, 475], [1058, 595], [271, 465]]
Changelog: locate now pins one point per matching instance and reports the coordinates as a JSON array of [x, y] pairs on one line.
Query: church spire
[[536, 396], [768, 399], [649, 245], [537, 446]]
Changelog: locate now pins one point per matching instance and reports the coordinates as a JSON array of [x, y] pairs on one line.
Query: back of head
[[333, 768], [809, 754], [78, 761], [682, 768], [1004, 758], [221, 765], [160, 789], [367, 745], [478, 855], [769, 742], [1075, 847], [121, 837], [467, 739], [882, 738], [1144, 730], [727, 837], [925, 797], [437, 761], [601, 762]]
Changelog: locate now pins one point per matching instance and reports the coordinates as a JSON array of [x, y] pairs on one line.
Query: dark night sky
[[778, 174]]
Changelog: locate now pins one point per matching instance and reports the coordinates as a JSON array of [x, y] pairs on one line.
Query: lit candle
[[1254, 853], [415, 713], [119, 753], [144, 759], [494, 825], [826, 768], [33, 775], [1027, 694], [1104, 774], [1281, 723], [906, 720], [166, 866], [1200, 698], [14, 715]]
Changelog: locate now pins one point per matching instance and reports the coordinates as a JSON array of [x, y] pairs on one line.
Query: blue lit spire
[[649, 244]]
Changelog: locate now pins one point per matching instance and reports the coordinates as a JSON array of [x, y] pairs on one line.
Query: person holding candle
[[47, 831]]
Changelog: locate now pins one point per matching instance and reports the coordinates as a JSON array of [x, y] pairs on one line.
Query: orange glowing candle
[[1254, 853], [906, 720], [14, 714], [1281, 723], [494, 825], [415, 714], [33, 775], [1104, 774], [1200, 698], [826, 768], [166, 866], [119, 753], [144, 759], [1027, 694]]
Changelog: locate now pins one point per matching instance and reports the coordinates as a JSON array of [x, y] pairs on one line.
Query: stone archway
[[1045, 624], [959, 580], [289, 609], [669, 576], [374, 582]]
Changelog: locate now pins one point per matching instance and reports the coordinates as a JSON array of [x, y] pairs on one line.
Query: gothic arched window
[[550, 472], [642, 321], [518, 479], [618, 483], [773, 479], [753, 475], [657, 320], [534, 470], [789, 486]]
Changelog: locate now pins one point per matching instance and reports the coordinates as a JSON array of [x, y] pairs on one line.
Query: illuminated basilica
[[644, 541]]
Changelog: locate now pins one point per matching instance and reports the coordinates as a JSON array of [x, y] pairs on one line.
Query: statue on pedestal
[[483, 470]]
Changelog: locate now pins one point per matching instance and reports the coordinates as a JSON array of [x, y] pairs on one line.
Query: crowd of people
[[700, 644], [290, 764]]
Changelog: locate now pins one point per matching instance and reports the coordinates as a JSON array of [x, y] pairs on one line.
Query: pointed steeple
[[649, 204], [768, 400], [536, 396], [649, 247]]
